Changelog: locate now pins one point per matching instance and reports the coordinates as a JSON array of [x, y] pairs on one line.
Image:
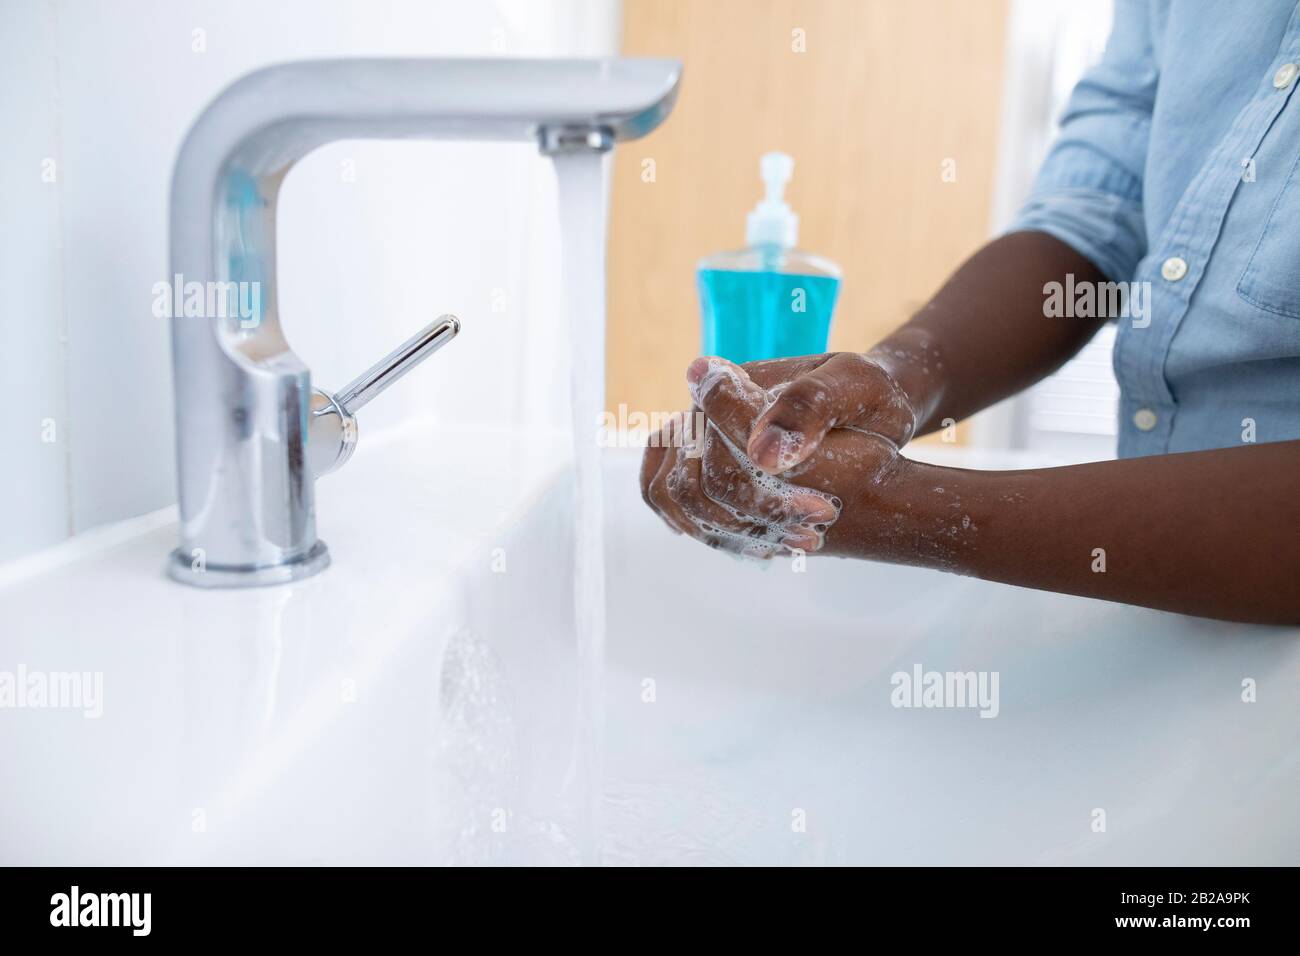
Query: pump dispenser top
[[772, 221]]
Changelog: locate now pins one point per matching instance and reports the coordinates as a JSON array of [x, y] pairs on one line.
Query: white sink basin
[[291, 724], [418, 701]]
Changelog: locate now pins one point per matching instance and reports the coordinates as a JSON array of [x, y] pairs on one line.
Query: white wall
[[33, 472], [375, 238]]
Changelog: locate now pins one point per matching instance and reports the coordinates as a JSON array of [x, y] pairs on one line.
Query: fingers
[[656, 465], [705, 485], [670, 488], [732, 402], [772, 372], [650, 462], [726, 528], [673, 485], [719, 526], [729, 479], [729, 398], [847, 390], [690, 511]]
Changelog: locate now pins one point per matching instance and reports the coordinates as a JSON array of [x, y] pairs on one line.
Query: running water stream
[[582, 241]]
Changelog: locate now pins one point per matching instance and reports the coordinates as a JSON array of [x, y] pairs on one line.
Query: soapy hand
[[700, 478], [813, 394]]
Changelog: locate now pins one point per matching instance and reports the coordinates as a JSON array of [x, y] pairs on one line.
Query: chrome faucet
[[252, 433]]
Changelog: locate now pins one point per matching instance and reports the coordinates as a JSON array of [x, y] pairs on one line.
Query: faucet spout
[[245, 406]]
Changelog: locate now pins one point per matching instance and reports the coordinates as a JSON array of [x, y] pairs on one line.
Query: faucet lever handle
[[332, 428], [358, 392]]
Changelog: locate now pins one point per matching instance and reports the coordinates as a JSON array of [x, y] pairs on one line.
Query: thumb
[[848, 390]]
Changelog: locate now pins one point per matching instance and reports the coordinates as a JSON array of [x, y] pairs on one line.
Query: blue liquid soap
[[768, 300]]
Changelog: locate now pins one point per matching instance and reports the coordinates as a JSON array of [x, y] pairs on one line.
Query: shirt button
[[1284, 75], [1174, 268], [1145, 419]]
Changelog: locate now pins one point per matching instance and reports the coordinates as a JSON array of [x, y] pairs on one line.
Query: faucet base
[[181, 567]]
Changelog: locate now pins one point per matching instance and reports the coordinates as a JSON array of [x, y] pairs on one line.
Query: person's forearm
[[984, 335], [1212, 533]]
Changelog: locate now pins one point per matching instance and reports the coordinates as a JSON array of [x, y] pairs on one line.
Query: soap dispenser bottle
[[770, 299]]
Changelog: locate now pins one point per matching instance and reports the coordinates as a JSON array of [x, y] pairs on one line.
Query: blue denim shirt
[[1177, 165]]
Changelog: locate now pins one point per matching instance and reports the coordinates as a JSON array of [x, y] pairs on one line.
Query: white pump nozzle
[[772, 221]]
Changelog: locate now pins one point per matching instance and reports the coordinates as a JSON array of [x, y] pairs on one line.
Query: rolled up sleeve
[[1088, 192]]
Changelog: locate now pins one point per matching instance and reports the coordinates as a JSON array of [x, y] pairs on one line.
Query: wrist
[[917, 514], [913, 359], [878, 520]]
